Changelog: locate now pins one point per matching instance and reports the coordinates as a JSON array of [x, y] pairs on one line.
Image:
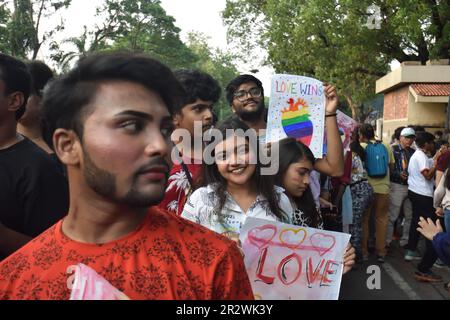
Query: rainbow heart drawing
[[295, 121]]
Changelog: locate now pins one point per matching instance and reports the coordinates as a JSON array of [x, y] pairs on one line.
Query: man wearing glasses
[[245, 94]]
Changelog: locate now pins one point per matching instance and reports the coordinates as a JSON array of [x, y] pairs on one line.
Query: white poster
[[287, 262], [297, 109]]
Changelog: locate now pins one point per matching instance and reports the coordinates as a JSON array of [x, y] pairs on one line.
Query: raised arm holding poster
[[287, 262], [297, 109]]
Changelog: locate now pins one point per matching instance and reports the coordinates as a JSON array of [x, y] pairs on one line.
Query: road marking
[[400, 281]]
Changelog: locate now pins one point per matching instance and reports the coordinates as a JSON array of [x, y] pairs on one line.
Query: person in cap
[[399, 187]]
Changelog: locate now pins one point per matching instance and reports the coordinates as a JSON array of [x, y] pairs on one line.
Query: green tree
[[25, 37], [135, 25], [217, 63], [330, 39], [139, 26], [5, 16], [64, 58], [144, 26]]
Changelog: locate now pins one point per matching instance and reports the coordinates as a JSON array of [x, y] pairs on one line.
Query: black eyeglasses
[[241, 95]]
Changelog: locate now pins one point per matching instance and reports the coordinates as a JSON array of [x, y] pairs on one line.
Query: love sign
[[297, 109], [290, 262]]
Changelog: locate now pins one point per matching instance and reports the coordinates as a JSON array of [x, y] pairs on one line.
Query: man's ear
[[232, 108], [16, 100], [67, 146]]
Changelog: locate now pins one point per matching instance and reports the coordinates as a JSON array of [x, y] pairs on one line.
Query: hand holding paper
[[290, 262], [332, 99], [86, 284]]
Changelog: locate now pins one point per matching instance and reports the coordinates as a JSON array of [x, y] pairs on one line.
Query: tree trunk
[[353, 107], [36, 48]]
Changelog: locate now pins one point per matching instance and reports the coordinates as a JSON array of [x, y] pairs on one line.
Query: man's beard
[[251, 116], [105, 184]]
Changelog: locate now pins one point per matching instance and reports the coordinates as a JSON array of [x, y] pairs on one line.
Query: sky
[[205, 16], [190, 15]]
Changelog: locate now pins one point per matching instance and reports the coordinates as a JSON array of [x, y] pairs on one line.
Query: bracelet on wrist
[[331, 115]]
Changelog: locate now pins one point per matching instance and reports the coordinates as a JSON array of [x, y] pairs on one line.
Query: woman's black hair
[[367, 131], [293, 151], [356, 147], [447, 177], [264, 183]]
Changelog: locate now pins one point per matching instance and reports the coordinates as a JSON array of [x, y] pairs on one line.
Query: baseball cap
[[408, 132]]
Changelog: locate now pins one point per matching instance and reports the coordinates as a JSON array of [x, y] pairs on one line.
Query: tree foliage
[[22, 33], [134, 25], [331, 39], [215, 62], [4, 18]]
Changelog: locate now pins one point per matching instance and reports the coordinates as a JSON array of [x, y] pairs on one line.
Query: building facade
[[415, 94]]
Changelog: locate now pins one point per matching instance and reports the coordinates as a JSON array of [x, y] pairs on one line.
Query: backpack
[[377, 160]]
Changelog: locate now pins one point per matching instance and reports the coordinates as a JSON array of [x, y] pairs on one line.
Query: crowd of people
[[92, 172]]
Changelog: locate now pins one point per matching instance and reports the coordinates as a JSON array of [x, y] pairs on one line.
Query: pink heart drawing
[[261, 236], [322, 243]]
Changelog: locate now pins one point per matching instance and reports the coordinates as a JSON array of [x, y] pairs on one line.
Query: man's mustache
[[250, 101], [157, 162]]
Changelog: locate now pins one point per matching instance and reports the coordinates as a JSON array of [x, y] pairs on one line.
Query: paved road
[[396, 281]]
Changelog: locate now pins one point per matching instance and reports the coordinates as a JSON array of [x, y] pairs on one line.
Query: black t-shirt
[[34, 193]]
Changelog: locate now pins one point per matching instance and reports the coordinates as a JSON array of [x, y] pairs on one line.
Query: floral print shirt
[[201, 208], [166, 258]]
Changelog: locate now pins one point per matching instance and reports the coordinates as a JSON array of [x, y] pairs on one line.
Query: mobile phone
[[333, 211]]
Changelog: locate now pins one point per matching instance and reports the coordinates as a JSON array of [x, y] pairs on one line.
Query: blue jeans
[[447, 220]]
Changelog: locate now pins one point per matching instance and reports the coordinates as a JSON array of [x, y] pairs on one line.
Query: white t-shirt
[[416, 181], [201, 205]]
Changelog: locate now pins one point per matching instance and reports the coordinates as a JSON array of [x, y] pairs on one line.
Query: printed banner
[[287, 262]]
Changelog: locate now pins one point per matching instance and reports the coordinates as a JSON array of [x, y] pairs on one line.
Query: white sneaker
[[412, 255], [439, 264]]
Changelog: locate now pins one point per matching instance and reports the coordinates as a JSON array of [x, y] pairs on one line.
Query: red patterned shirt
[[167, 257]]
